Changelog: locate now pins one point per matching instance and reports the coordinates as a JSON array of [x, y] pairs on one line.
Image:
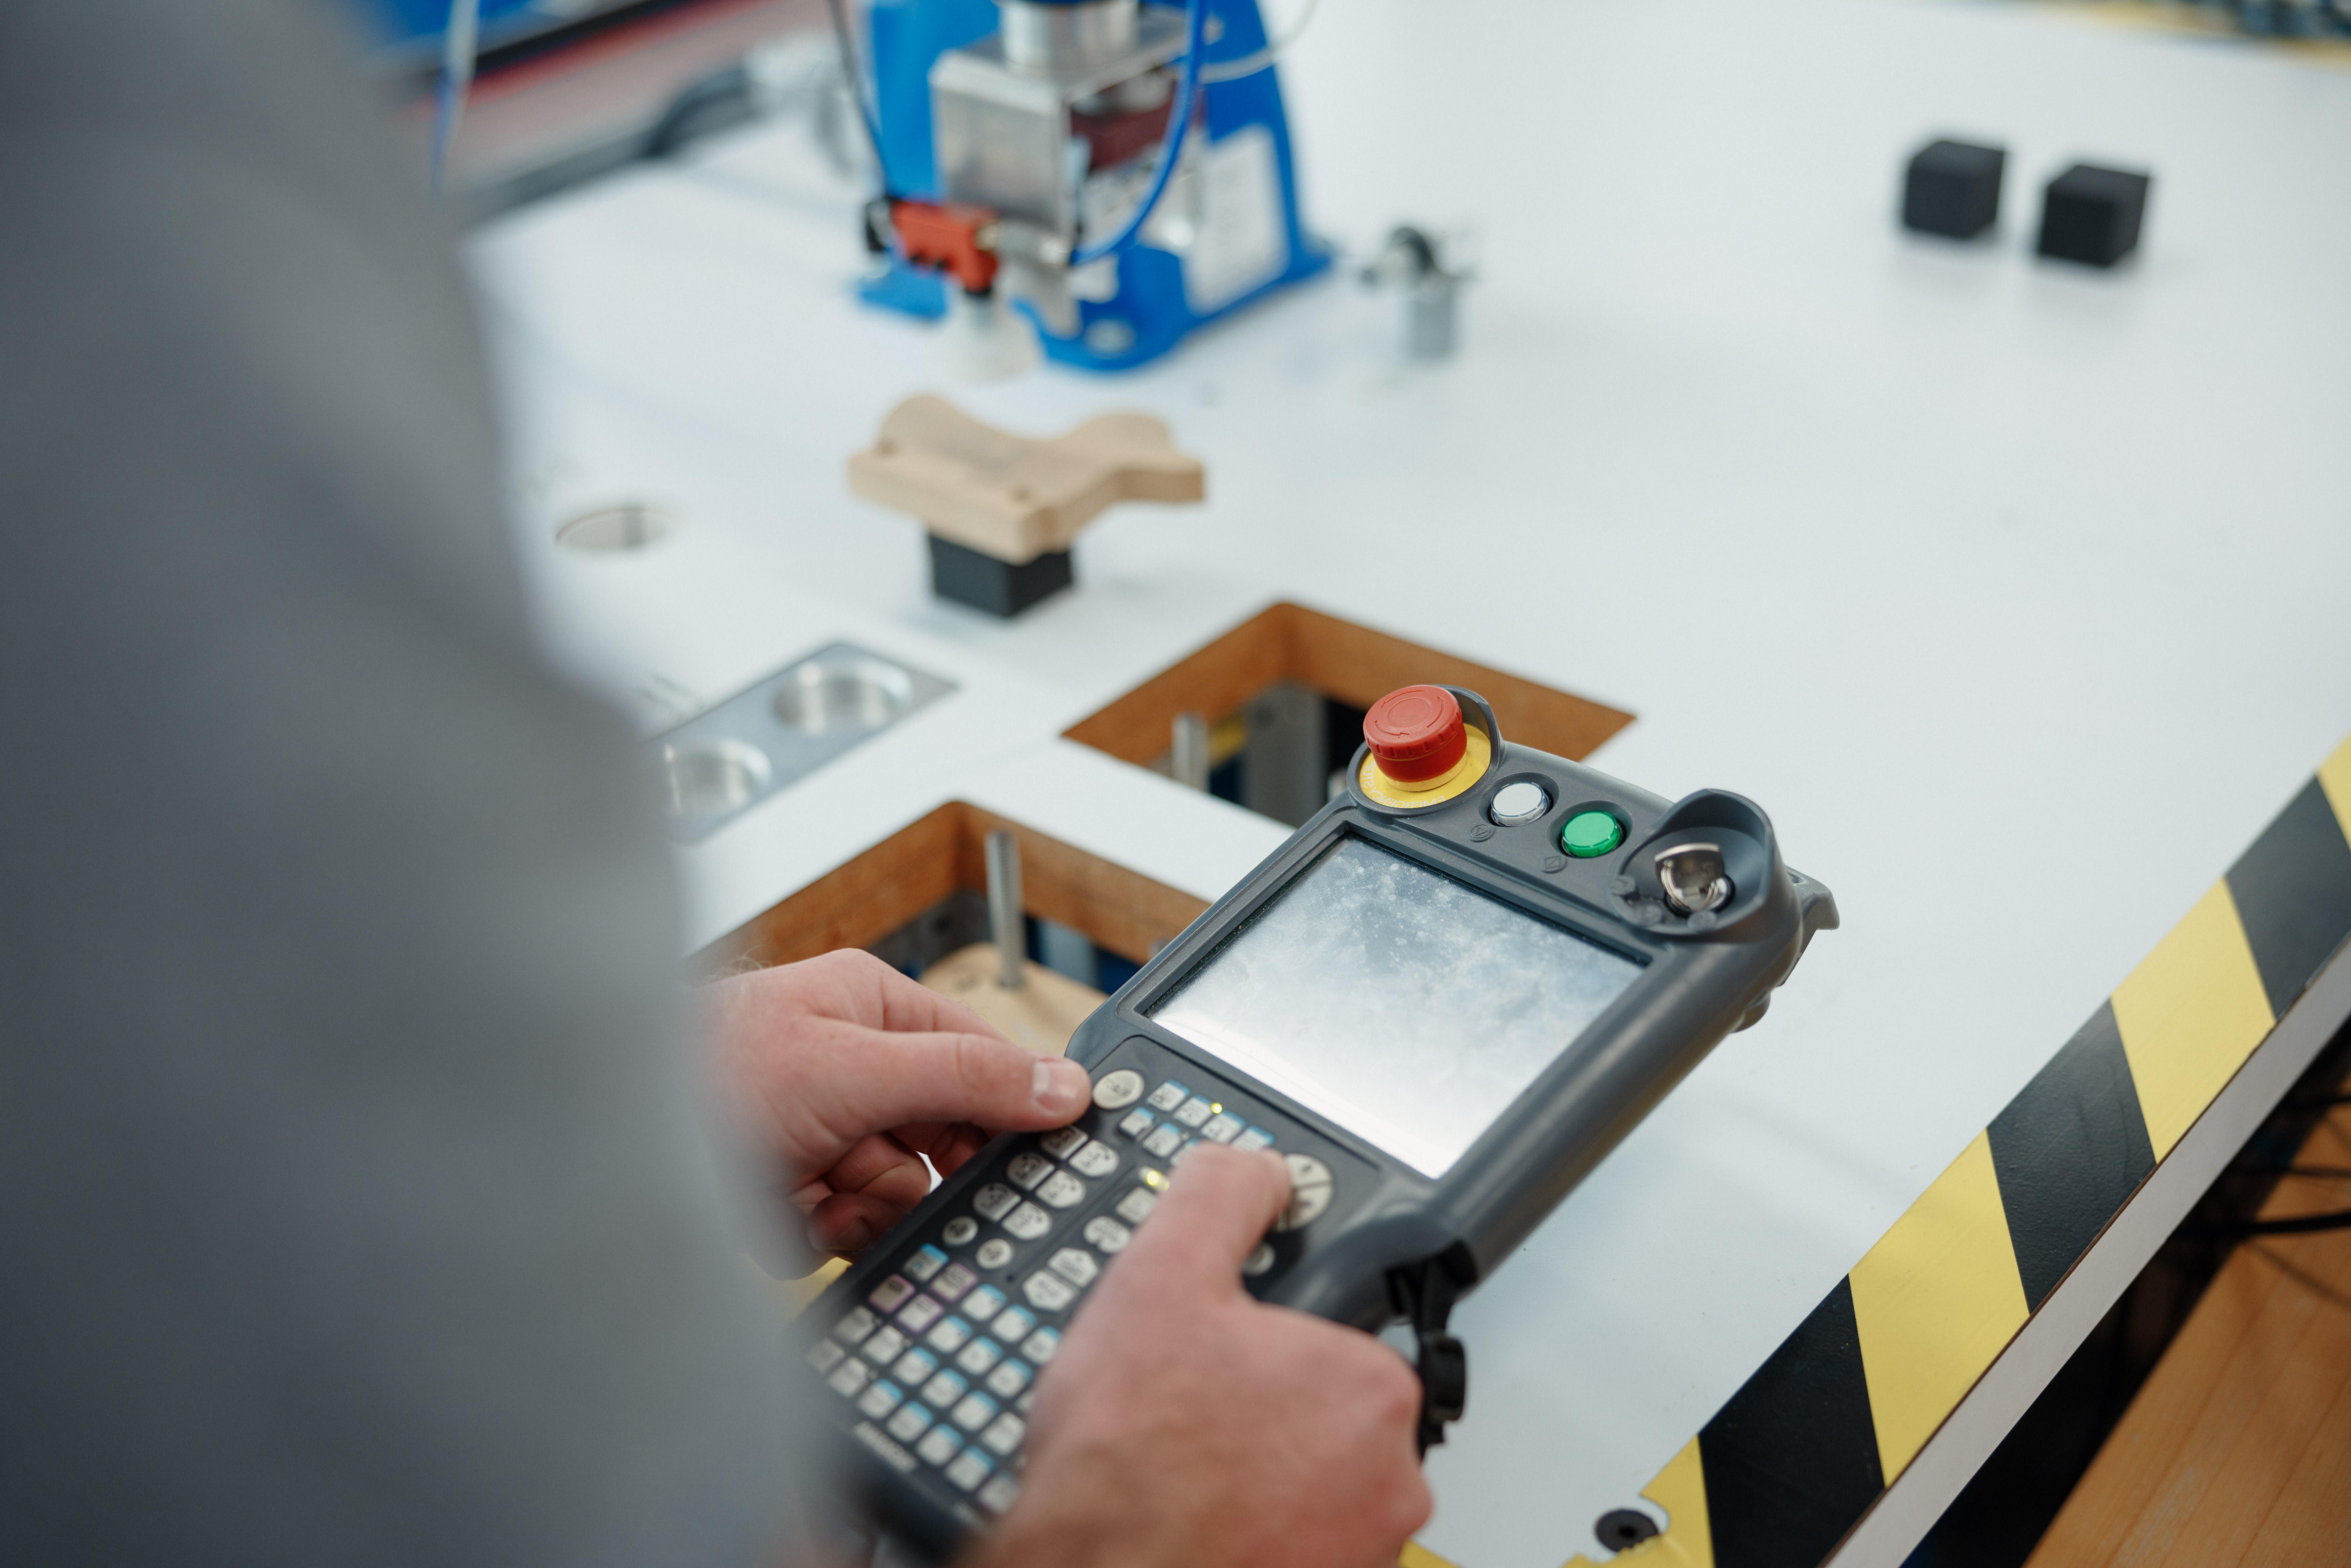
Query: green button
[[1590, 834]]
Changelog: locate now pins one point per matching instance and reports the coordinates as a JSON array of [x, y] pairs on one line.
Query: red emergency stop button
[[1415, 732]]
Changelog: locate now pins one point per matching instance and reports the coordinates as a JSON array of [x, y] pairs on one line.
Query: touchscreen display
[[1402, 1004]]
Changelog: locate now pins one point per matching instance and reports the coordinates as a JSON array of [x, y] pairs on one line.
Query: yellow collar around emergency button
[[1383, 791]]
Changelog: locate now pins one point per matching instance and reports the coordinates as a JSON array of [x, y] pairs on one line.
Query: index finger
[[1213, 1216], [881, 998]]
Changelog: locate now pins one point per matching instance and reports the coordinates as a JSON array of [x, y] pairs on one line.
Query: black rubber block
[[1952, 188]]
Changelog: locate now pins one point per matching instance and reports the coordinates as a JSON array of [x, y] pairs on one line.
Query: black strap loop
[[1424, 1293]]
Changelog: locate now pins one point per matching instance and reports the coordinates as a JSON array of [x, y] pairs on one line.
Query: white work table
[[2014, 591]]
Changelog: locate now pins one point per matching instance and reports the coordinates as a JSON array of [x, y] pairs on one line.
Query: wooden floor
[[2238, 1448]]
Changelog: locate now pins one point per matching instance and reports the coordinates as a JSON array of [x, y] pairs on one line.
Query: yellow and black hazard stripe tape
[[1798, 1453], [1811, 1441]]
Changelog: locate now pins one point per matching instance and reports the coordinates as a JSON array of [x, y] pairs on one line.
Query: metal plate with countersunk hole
[[843, 692], [712, 779], [719, 764], [613, 530]]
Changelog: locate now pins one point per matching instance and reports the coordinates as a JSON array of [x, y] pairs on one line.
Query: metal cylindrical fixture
[[1188, 751], [1428, 316], [1046, 37], [1006, 920]]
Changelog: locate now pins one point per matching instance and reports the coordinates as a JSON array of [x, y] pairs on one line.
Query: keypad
[[969, 1468], [958, 1399], [1048, 1292], [1004, 1434], [1117, 1091], [1078, 1268]]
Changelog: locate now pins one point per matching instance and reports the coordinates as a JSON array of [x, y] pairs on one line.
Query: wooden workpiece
[[1041, 1013], [1009, 496]]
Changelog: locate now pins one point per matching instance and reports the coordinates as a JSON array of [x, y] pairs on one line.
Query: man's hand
[[1184, 1423], [846, 1072]]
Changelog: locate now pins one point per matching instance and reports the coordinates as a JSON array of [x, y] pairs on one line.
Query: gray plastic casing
[[1702, 978]]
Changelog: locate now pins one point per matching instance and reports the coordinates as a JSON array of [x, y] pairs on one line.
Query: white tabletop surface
[[2016, 593]]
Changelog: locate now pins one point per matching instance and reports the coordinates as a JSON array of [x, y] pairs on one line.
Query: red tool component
[[953, 237], [1112, 139], [1415, 732]]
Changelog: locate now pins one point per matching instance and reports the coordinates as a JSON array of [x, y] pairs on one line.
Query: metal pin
[[1189, 751], [1003, 912]]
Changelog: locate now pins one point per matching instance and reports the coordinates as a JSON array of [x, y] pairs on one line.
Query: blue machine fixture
[[1030, 132]]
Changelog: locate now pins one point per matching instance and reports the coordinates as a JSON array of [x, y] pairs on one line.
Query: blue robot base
[[1152, 309]]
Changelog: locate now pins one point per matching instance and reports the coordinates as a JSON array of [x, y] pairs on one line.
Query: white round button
[[959, 1230], [1519, 802], [1118, 1090], [995, 1254], [1310, 1191], [1258, 1261]]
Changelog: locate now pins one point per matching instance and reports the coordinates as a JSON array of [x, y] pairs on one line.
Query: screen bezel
[[1175, 965]]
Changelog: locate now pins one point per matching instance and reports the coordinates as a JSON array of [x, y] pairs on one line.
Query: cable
[[1249, 65], [868, 114], [459, 43], [1179, 120]]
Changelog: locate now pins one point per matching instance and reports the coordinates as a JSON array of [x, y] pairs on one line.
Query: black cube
[[1953, 188], [975, 578], [2092, 215]]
